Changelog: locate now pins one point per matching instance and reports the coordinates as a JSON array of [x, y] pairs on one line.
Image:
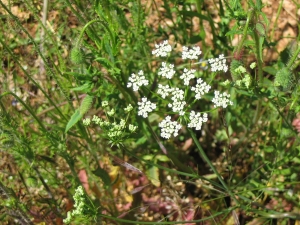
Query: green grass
[[242, 166]]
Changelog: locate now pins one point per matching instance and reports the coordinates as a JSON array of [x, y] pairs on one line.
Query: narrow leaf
[[74, 119]]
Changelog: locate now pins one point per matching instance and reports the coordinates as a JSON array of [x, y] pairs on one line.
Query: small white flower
[[132, 128], [253, 65], [162, 49], [111, 112], [128, 108], [247, 80], [218, 64], [86, 121], [178, 106], [187, 75], [203, 64], [167, 70], [164, 91], [145, 107], [178, 102], [201, 88], [104, 104], [178, 94], [136, 81], [196, 120], [221, 100], [192, 53], [225, 83], [169, 128], [122, 124], [96, 119], [240, 69]]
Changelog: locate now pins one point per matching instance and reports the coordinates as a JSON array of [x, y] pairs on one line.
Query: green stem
[[259, 75], [206, 159], [249, 18], [259, 62], [294, 57]]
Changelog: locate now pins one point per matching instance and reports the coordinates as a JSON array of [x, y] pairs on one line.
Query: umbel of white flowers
[[177, 100]]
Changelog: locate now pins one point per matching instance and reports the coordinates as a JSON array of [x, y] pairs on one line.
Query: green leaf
[[248, 43], [270, 69], [141, 140], [153, 175], [194, 14], [105, 62], [148, 157], [286, 171], [260, 28], [264, 16], [99, 172], [233, 32], [269, 149], [83, 88], [162, 158], [74, 119]]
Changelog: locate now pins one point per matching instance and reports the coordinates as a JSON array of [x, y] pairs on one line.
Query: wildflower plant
[[227, 96]]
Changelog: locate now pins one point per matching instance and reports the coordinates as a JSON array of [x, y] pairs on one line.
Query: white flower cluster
[[178, 102], [136, 81], [196, 120], [166, 70], [164, 90], [187, 76], [221, 100], [169, 127], [218, 64], [177, 96], [115, 131], [145, 107], [162, 49], [192, 53], [201, 88], [79, 205]]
